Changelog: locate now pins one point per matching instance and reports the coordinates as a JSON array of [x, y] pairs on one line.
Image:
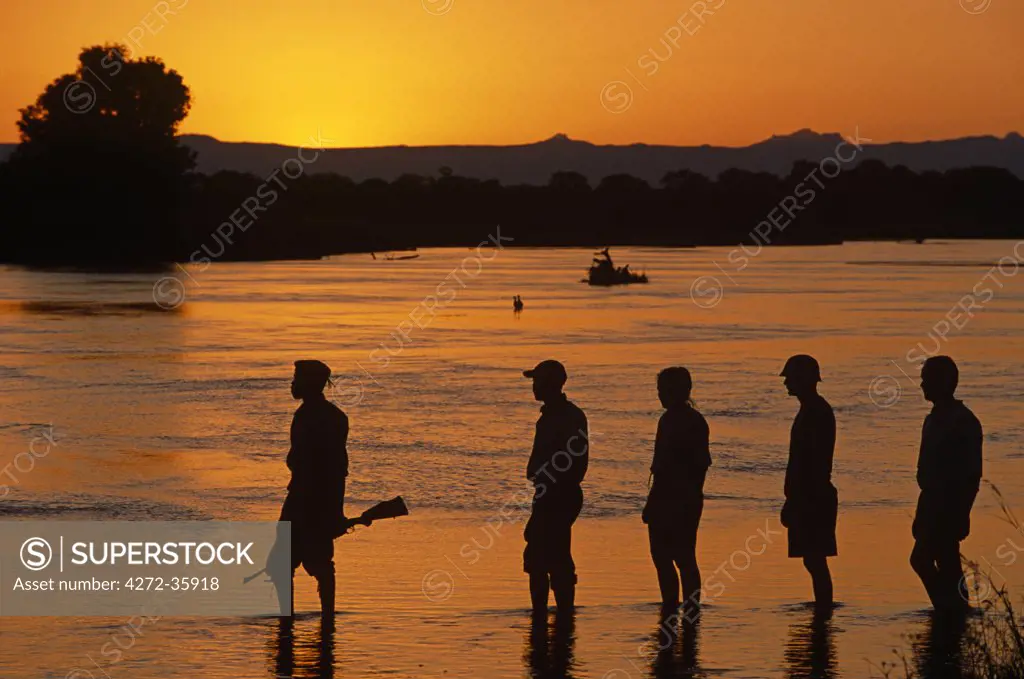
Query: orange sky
[[377, 72]]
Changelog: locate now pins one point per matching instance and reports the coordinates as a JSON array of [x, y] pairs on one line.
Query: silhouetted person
[[949, 474], [676, 499], [517, 304], [556, 468], [811, 651], [318, 462], [604, 261], [812, 503], [674, 647], [550, 649]]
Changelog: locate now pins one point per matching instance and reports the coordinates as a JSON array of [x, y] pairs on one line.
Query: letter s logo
[[36, 554]]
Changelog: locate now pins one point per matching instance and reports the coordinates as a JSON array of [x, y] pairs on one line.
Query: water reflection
[[550, 649], [811, 649], [938, 650], [674, 647], [309, 654], [87, 308]]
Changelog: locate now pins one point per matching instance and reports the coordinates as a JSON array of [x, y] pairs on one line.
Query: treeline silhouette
[[100, 178], [321, 214]]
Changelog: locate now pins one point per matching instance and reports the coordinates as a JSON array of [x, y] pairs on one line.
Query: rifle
[[388, 509]]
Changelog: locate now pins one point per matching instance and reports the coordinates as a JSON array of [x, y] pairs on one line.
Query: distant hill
[[534, 163]]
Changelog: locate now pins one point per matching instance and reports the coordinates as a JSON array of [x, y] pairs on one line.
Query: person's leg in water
[[689, 573], [319, 563], [563, 568], [281, 563], [539, 585], [282, 581], [280, 569], [661, 555], [686, 559], [563, 584], [922, 560], [325, 587], [534, 563], [952, 584], [821, 579]]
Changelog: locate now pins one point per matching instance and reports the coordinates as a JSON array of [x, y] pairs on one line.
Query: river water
[[184, 413]]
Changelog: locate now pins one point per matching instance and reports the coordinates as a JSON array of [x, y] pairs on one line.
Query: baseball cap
[[548, 369], [802, 364]]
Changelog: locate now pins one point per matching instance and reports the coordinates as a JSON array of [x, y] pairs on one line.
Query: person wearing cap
[[949, 467], [675, 503], [812, 502], [318, 461], [556, 468]]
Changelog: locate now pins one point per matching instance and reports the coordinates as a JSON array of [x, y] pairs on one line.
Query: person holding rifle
[[318, 461]]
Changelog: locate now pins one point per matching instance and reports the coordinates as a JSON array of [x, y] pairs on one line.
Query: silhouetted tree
[[412, 182], [686, 180], [569, 181], [623, 184], [99, 175]]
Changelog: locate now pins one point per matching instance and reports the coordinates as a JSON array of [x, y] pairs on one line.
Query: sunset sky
[[380, 72]]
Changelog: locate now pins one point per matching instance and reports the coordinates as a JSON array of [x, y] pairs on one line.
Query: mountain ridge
[[535, 162]]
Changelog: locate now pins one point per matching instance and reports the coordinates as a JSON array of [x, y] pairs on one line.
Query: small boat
[[604, 272]]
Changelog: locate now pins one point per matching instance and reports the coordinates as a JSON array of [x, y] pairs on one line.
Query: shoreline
[[162, 266]]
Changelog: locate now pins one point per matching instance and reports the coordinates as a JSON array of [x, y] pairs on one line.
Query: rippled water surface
[[184, 414]]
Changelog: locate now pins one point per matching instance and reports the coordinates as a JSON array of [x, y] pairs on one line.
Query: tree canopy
[[99, 172]]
